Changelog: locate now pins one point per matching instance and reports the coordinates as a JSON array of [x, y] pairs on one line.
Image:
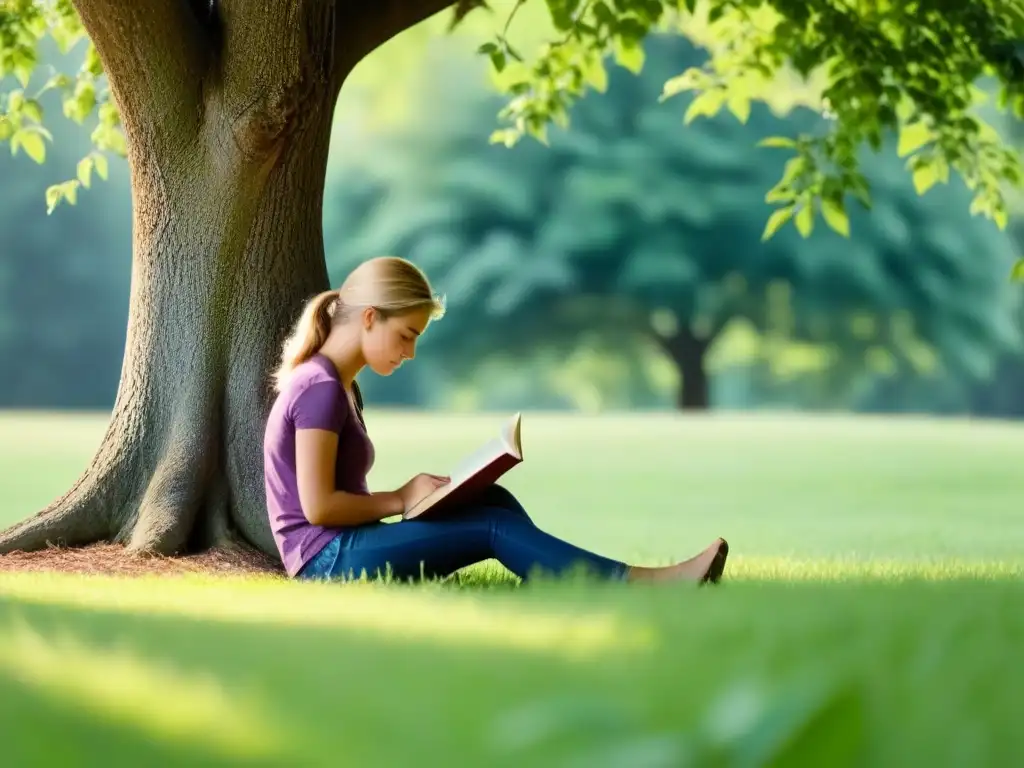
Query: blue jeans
[[494, 525]]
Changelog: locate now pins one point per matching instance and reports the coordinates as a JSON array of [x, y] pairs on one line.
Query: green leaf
[[85, 171], [780, 193], [59, 81], [539, 130], [507, 136], [780, 142], [805, 220], [81, 102], [707, 103], [604, 14], [595, 74], [33, 111], [117, 144], [739, 105], [498, 60], [64, 37], [795, 168], [561, 15], [24, 73], [100, 162], [66, 191], [32, 142], [835, 216], [692, 79], [559, 116], [691, 6], [106, 138], [109, 115], [629, 55], [717, 12], [53, 196], [858, 185], [913, 137], [1000, 217], [1017, 273], [925, 177], [776, 221], [92, 63], [6, 128]]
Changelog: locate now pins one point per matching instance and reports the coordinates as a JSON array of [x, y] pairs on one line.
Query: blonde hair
[[390, 285]]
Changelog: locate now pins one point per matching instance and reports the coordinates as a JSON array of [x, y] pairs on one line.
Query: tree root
[[180, 507], [76, 519]]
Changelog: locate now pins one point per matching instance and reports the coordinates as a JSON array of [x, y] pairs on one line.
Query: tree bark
[[228, 142], [689, 352]]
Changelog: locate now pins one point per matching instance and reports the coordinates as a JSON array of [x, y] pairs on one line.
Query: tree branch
[[283, 63], [372, 24], [154, 53], [684, 341]]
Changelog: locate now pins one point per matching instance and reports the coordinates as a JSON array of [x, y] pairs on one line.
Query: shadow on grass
[[437, 613]]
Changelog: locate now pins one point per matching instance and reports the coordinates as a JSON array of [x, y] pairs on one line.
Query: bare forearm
[[341, 508]]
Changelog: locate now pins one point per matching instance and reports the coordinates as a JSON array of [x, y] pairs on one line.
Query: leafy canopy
[[910, 67], [874, 66]]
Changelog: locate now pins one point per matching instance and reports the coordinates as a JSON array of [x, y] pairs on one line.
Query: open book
[[478, 470]]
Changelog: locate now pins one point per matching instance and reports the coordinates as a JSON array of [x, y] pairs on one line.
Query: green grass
[[874, 599]]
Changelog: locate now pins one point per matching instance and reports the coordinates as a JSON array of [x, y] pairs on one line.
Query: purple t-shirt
[[313, 398]]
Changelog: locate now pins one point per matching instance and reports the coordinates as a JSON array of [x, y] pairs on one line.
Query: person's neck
[[346, 356]]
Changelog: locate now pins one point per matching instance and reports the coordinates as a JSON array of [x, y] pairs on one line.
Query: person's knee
[[499, 496], [501, 515]]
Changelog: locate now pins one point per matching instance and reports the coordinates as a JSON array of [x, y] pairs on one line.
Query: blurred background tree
[[629, 233]]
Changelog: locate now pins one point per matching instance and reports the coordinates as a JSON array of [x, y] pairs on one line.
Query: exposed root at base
[[114, 560]]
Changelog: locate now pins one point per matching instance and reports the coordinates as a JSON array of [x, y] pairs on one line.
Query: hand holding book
[[478, 470], [419, 487]]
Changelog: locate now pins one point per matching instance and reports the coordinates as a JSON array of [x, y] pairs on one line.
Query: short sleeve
[[319, 406]]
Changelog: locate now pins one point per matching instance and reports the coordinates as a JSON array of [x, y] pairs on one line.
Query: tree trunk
[[228, 169], [688, 351], [211, 301]]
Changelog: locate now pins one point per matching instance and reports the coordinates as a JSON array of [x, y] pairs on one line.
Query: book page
[[508, 443], [511, 436], [474, 461]]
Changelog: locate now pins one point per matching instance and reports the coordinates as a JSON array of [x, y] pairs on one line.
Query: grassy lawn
[[873, 599]]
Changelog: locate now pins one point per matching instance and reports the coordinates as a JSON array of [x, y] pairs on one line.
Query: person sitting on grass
[[317, 453]]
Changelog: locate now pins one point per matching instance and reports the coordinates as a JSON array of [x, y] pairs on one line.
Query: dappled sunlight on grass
[[165, 703], [549, 674], [449, 617]]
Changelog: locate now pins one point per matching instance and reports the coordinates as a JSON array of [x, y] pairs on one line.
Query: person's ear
[[369, 315]]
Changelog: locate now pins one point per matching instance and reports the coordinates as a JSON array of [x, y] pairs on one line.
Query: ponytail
[[308, 336]]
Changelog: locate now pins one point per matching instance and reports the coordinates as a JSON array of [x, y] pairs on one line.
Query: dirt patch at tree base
[[112, 560]]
